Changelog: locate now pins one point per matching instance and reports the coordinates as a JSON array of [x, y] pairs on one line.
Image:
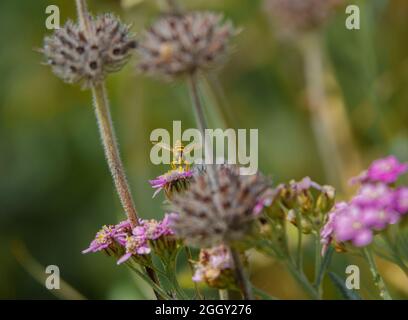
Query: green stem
[[108, 137], [318, 262], [295, 272], [299, 252], [302, 280], [378, 280], [198, 111], [400, 263], [223, 293], [157, 289], [174, 6], [83, 16], [241, 277], [319, 117], [190, 263], [322, 269], [228, 118], [285, 233], [112, 151], [395, 253], [172, 276]]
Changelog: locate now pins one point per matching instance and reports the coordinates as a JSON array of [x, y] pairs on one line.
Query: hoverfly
[[179, 151]]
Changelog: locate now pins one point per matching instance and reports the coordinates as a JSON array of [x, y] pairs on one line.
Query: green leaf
[[345, 292], [324, 266], [262, 294], [150, 282]]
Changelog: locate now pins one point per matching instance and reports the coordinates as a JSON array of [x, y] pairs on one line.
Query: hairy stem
[[202, 124], [112, 152], [110, 146], [107, 131], [109, 143], [83, 16], [174, 6], [378, 280], [241, 277]]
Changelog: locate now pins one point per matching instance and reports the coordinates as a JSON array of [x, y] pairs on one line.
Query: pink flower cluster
[[375, 206], [386, 170], [212, 263], [132, 241]]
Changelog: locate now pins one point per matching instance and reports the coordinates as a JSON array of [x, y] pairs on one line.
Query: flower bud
[[326, 199], [306, 224], [288, 196], [305, 201]]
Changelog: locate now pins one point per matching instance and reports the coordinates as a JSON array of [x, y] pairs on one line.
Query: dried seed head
[[76, 56], [179, 44], [208, 217], [301, 15]]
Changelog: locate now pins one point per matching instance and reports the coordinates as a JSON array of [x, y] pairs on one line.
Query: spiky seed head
[[209, 216], [179, 44], [301, 15], [87, 57]]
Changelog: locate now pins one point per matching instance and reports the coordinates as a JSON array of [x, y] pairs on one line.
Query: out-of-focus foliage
[[55, 188]]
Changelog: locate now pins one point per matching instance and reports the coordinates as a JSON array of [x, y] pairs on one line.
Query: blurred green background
[[55, 188]]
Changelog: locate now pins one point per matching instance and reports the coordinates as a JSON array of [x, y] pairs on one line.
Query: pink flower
[[172, 219], [377, 195], [122, 230], [349, 225], [170, 179], [305, 184], [379, 219], [153, 229], [386, 170], [375, 206], [267, 199], [262, 203], [135, 245], [401, 200], [165, 225], [326, 235], [103, 240], [121, 235]]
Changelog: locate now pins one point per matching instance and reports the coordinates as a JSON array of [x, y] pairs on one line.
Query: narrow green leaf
[[345, 292], [150, 282], [262, 294], [324, 266]]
